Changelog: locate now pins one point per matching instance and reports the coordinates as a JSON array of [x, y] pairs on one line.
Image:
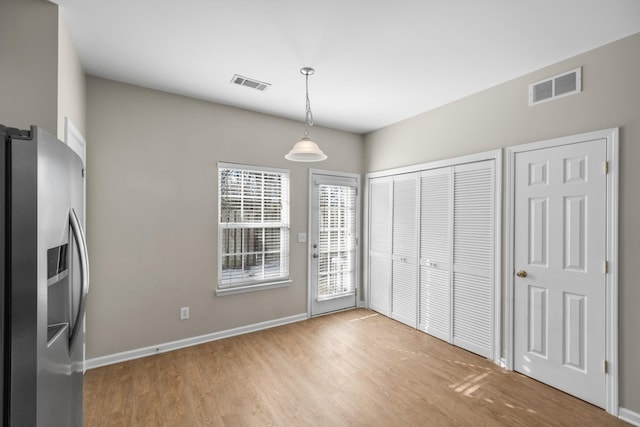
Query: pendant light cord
[[309, 114]]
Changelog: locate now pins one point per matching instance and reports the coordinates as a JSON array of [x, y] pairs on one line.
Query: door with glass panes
[[333, 242]]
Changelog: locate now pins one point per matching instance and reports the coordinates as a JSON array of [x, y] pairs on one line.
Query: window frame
[[228, 287]]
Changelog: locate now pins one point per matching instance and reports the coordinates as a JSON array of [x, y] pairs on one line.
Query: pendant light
[[306, 150]]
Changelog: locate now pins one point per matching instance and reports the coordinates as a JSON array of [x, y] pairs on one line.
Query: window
[[253, 227], [336, 241]]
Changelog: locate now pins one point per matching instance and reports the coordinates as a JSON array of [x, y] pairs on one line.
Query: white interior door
[[559, 262], [404, 271], [474, 257], [380, 214], [333, 243], [436, 208], [434, 249]]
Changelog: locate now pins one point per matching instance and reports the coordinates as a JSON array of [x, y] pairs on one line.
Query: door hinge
[[605, 267], [605, 168], [605, 367]]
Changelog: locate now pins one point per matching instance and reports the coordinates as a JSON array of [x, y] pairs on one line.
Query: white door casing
[[74, 139], [563, 308], [333, 241]]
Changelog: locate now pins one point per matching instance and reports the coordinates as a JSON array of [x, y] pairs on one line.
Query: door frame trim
[[357, 177], [611, 278]]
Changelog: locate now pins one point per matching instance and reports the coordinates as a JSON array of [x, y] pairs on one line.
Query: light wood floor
[[345, 369]]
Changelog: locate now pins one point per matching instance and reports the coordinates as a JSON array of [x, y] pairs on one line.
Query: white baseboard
[[188, 342], [362, 304], [629, 416]]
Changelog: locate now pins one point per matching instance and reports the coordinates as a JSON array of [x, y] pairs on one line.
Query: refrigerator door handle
[[78, 235]]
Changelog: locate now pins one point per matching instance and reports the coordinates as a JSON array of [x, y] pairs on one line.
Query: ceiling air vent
[[555, 87], [245, 81]]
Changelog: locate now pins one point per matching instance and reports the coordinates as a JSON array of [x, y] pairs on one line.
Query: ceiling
[[377, 62]]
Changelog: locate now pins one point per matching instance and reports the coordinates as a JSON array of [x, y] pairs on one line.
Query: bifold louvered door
[[379, 265], [404, 273], [439, 277], [435, 252], [473, 256]]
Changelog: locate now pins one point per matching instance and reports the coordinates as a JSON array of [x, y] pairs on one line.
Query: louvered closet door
[[404, 281], [380, 244], [473, 257], [435, 248]]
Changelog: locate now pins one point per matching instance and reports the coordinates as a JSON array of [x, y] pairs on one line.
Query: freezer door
[[3, 206], [26, 322]]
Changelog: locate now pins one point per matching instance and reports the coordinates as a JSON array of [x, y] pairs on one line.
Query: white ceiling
[[377, 61]]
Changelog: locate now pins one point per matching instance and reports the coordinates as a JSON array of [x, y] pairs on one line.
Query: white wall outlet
[[184, 313], [302, 237]]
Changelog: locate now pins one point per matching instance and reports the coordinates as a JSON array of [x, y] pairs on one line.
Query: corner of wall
[[71, 100], [29, 63]]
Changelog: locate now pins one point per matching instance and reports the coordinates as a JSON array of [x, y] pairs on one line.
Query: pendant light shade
[[306, 150]]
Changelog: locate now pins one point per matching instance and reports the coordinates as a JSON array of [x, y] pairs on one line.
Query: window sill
[[252, 288]]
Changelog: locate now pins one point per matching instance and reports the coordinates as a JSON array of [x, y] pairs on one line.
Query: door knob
[[315, 255], [521, 273]]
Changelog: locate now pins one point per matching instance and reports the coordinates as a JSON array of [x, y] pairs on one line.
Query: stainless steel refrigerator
[[45, 280]]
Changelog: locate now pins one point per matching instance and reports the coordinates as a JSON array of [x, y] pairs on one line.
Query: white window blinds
[[336, 241], [253, 220]]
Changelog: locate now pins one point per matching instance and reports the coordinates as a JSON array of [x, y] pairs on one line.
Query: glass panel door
[[333, 243]]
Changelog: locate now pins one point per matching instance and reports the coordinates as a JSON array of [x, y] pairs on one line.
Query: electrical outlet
[[184, 313], [302, 237]]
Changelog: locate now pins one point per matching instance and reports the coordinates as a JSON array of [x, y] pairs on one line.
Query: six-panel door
[[559, 288]]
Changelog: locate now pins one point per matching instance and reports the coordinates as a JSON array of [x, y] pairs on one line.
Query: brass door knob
[[521, 273]]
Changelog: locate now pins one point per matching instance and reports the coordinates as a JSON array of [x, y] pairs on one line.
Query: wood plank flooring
[[354, 368]]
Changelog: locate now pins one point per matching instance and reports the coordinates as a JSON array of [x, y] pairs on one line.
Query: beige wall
[[28, 63], [152, 212], [71, 83], [501, 117], [41, 79]]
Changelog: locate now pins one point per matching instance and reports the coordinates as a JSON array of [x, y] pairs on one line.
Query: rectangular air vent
[[252, 83], [555, 87]]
